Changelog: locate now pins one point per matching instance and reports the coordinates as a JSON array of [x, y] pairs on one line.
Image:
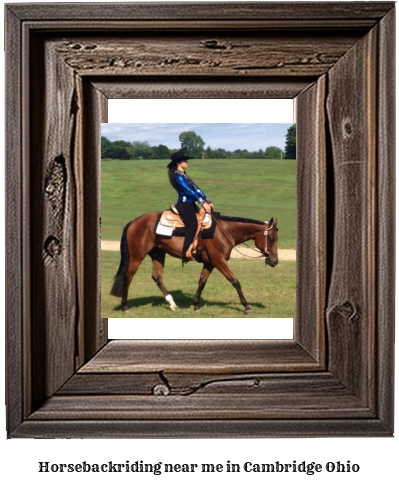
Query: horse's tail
[[121, 275]]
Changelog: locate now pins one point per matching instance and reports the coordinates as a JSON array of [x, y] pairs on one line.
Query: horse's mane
[[240, 220]]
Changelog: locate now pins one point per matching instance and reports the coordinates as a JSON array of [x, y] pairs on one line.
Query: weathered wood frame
[[64, 379]]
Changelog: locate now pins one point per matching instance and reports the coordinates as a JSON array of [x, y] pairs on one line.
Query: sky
[[229, 136]]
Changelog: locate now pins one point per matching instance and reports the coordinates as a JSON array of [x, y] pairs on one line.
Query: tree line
[[194, 146]]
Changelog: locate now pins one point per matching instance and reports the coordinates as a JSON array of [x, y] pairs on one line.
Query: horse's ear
[[271, 221]]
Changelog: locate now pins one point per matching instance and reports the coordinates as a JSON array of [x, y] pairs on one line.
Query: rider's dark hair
[[171, 174]]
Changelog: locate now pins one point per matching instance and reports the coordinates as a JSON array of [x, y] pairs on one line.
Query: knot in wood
[[346, 310], [50, 189], [161, 390], [90, 47], [51, 249], [347, 128], [213, 44], [349, 310], [54, 188]]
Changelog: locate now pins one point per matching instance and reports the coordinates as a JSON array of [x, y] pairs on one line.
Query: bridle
[[266, 234]]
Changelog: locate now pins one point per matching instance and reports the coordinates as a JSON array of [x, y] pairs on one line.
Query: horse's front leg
[[224, 268], [205, 273]]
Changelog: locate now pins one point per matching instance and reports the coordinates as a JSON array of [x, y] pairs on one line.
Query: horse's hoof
[[126, 311], [248, 311], [173, 308], [197, 308]]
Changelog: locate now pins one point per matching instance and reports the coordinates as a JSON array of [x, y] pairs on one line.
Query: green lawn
[[257, 188], [270, 292]]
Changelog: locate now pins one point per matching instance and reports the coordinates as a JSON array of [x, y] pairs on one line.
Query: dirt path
[[283, 254]]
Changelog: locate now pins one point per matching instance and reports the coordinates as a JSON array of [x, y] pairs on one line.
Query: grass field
[[269, 292], [257, 188]]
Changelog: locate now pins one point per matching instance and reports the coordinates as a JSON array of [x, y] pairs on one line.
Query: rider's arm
[[202, 195]]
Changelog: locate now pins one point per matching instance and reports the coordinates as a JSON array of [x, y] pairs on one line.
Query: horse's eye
[[271, 240]]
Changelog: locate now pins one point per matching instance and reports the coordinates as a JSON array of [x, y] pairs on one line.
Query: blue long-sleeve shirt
[[187, 190]]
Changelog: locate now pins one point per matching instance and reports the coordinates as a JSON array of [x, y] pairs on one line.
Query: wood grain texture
[[203, 407], [14, 207], [385, 244], [95, 330], [185, 384], [196, 87], [113, 384], [65, 62], [249, 428], [351, 306], [256, 397], [53, 200], [102, 336], [241, 54], [200, 356], [311, 218], [208, 11]]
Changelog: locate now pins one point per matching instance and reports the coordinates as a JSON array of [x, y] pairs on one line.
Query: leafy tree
[[105, 146], [142, 150], [115, 150], [192, 144], [120, 153], [290, 143], [220, 153], [161, 152], [241, 154], [209, 152], [273, 152]]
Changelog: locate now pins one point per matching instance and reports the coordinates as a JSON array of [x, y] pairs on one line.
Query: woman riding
[[190, 199]]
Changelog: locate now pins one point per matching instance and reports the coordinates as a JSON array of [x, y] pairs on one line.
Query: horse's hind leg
[[158, 261], [205, 273], [224, 268]]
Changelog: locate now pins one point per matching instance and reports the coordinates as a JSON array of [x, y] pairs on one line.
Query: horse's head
[[271, 237]]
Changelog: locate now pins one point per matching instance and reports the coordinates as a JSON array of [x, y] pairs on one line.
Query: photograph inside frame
[[198, 221]]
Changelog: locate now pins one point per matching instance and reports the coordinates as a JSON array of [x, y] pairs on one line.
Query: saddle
[[171, 219]]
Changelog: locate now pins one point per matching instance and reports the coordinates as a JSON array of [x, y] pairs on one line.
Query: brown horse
[[139, 239]]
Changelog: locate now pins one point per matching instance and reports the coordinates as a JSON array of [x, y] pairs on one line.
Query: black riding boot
[[187, 211]]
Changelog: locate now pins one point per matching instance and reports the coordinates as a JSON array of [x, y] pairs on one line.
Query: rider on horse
[[190, 199]]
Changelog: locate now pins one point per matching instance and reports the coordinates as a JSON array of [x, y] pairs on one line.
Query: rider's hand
[[207, 207]]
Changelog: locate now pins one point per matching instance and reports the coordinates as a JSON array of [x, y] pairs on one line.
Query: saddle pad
[[162, 230]]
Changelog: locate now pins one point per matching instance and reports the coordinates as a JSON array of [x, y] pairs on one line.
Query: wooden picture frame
[[335, 378]]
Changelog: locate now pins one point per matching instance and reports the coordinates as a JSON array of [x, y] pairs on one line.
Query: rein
[[232, 244]]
